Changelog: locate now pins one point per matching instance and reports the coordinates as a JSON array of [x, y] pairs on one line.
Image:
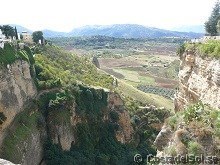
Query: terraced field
[[136, 70], [165, 92]]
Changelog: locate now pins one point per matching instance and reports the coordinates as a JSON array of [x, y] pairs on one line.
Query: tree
[[16, 33], [21, 36], [8, 31], [37, 35], [211, 24]]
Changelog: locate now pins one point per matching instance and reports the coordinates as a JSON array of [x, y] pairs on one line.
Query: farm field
[[149, 66], [136, 70]]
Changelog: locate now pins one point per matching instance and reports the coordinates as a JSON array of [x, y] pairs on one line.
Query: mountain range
[[118, 31]]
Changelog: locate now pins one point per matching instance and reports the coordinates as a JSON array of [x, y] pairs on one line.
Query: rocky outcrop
[[32, 149], [5, 162], [59, 124], [163, 137], [115, 103], [62, 127], [24, 139], [95, 61], [62, 133], [16, 87], [199, 80]]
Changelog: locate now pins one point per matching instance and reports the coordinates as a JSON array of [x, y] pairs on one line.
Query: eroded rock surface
[[199, 80]]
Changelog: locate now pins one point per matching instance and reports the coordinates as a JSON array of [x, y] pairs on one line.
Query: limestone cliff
[[194, 127], [62, 117], [63, 125], [26, 128], [115, 103], [16, 88], [199, 80]]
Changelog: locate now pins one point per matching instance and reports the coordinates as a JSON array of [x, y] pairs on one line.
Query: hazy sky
[[64, 15]]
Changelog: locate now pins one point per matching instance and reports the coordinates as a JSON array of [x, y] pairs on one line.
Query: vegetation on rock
[[9, 54], [200, 123], [210, 48], [54, 67]]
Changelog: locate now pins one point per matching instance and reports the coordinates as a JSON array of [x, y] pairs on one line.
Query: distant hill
[[130, 31], [193, 28], [21, 28], [52, 34]]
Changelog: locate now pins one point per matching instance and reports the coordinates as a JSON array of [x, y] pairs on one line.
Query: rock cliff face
[[115, 103], [63, 132], [199, 80], [16, 87], [24, 126]]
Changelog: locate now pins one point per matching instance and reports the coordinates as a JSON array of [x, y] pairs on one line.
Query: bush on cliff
[[210, 48], [9, 55]]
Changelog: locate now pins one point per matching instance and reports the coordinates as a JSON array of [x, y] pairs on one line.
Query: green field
[[135, 62], [133, 78], [145, 98]]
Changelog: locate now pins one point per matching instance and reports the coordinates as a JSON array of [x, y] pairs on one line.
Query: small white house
[[19, 36]]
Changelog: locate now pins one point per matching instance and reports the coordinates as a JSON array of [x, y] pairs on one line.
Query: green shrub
[[194, 148], [172, 122], [30, 54], [181, 49], [171, 151], [210, 48], [194, 112], [7, 55], [23, 55], [215, 118], [114, 116]]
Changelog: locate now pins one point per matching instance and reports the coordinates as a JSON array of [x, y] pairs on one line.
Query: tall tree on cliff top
[[8, 31], [37, 35], [16, 33], [211, 24]]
